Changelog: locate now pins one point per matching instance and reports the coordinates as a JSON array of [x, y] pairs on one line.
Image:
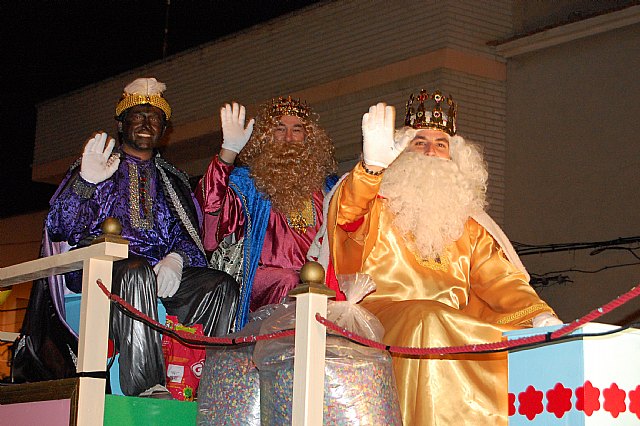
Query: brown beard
[[287, 174], [431, 199]]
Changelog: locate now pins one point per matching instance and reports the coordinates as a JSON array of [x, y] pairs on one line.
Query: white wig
[[432, 198]]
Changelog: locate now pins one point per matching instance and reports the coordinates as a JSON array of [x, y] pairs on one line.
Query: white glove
[[97, 162], [169, 272], [545, 319], [378, 127], [234, 135]]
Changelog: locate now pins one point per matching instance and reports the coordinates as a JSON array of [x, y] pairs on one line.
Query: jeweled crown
[[286, 106], [431, 115]]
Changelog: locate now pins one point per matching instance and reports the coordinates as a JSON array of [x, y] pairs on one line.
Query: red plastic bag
[[183, 364]]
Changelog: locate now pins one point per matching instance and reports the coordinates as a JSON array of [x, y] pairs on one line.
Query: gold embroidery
[[83, 189], [523, 313], [301, 220], [140, 202], [440, 263]]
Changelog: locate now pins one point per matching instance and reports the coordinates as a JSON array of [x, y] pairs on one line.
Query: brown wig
[[288, 173]]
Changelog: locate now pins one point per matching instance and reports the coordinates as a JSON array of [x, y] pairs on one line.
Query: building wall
[[21, 236], [556, 122], [572, 165], [532, 15], [339, 56]]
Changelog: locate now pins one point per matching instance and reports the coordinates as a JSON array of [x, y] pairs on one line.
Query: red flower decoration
[[634, 401], [614, 400], [588, 398], [530, 402], [559, 400], [512, 404]]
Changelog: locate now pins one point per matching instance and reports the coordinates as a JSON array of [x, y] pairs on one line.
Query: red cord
[[188, 337], [538, 338], [483, 347]]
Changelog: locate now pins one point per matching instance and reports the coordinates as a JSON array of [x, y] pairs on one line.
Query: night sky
[[50, 47]]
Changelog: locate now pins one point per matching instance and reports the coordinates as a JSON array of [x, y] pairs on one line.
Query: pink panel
[[50, 413]]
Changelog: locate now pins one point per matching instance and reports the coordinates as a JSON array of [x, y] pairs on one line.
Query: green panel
[[133, 411]]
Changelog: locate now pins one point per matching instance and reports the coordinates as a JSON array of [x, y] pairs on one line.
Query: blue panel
[[72, 306]]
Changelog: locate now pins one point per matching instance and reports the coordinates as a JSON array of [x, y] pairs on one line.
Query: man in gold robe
[[411, 215]]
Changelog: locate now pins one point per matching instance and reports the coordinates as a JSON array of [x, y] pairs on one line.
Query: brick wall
[[341, 56]]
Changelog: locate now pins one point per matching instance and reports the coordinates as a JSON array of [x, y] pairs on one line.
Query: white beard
[[431, 200]]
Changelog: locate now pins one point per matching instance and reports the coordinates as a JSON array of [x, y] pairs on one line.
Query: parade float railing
[[96, 261], [309, 344]]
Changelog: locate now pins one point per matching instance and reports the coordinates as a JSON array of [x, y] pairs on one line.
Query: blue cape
[[256, 209]]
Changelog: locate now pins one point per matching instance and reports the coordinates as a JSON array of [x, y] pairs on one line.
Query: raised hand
[[234, 133], [97, 162], [378, 127]]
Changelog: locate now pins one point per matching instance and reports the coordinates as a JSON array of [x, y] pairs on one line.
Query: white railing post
[[93, 340], [96, 262], [310, 342]]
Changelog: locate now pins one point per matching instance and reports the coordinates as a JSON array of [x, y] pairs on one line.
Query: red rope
[[185, 336], [482, 347], [538, 338], [596, 313]]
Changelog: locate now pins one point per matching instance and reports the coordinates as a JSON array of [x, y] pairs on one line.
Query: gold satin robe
[[470, 296]]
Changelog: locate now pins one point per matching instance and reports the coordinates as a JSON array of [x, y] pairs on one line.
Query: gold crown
[[144, 91], [286, 106], [129, 100], [431, 117]]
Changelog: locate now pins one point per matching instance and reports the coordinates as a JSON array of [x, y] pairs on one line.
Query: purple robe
[[134, 196]]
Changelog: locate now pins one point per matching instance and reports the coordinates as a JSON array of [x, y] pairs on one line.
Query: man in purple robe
[[154, 203]]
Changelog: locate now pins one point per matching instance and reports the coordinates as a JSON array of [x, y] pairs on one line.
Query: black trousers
[[205, 296]]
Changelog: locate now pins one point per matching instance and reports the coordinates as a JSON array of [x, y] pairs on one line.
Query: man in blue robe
[[263, 219]]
